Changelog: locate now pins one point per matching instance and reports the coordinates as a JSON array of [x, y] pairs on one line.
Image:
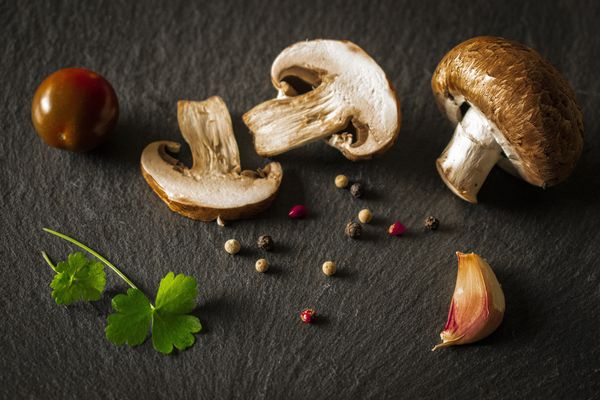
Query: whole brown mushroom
[[510, 107]]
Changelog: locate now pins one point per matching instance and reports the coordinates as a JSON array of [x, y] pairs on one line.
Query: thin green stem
[[92, 252], [48, 261]]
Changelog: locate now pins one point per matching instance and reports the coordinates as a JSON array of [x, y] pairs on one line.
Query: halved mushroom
[[215, 186], [328, 89], [511, 107]]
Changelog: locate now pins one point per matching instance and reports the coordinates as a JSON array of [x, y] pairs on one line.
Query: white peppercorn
[[232, 246]]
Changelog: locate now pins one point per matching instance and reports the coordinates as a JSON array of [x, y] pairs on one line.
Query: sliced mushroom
[[511, 107], [215, 186], [328, 89]]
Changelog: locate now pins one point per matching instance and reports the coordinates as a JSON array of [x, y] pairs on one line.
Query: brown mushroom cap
[[523, 95]]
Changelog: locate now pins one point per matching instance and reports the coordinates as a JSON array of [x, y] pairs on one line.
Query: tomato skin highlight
[[74, 109]]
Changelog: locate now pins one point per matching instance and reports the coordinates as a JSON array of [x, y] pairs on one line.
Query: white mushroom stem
[[289, 122], [469, 157]]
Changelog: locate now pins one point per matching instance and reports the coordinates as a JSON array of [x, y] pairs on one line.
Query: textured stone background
[[385, 308]]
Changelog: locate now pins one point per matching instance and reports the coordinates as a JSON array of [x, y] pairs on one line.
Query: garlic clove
[[477, 306]]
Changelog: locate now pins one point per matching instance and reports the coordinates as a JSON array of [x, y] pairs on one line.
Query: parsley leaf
[[78, 279], [170, 322], [82, 279], [131, 321]]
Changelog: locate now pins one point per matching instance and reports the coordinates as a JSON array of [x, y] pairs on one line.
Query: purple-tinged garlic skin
[[478, 303]]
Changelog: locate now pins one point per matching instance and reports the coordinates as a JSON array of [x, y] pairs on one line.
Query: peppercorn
[[307, 316], [329, 268], [432, 223], [262, 265], [353, 229], [232, 246], [265, 242], [297, 212], [365, 216], [396, 229], [341, 181], [356, 190]]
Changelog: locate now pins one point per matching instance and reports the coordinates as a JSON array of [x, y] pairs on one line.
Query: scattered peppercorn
[[298, 211], [265, 242], [232, 246], [365, 216], [262, 265], [356, 190], [353, 229], [341, 181], [329, 268], [308, 316], [396, 229], [432, 223]]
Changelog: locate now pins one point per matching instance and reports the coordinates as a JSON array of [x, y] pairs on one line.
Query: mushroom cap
[[215, 185], [539, 122], [347, 86]]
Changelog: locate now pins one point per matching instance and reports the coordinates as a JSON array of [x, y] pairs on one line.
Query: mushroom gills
[[297, 81], [471, 154]]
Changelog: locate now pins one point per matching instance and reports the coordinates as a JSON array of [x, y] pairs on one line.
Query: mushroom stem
[[471, 154], [310, 117]]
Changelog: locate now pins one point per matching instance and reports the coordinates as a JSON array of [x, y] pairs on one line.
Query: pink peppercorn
[[298, 211], [307, 316], [396, 229]]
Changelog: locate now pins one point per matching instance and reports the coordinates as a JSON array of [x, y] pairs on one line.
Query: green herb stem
[[48, 261], [92, 252]]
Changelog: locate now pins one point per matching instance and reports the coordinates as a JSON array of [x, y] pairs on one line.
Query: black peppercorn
[[432, 223], [356, 190], [265, 242], [353, 229]]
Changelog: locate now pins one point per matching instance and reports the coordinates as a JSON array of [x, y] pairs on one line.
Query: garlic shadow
[[520, 323]]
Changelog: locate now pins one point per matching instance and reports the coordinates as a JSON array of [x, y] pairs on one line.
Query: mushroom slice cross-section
[[214, 186], [327, 89], [511, 107]]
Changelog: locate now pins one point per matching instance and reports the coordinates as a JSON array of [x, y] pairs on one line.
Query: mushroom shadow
[[504, 191]]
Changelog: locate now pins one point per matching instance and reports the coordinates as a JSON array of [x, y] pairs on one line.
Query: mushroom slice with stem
[[328, 89], [215, 186], [511, 107]]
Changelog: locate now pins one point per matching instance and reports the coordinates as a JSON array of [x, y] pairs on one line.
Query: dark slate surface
[[385, 308]]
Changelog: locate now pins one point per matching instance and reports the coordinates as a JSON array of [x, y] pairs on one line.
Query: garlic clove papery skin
[[478, 303]]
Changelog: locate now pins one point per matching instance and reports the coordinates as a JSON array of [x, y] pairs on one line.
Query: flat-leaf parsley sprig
[[83, 279]]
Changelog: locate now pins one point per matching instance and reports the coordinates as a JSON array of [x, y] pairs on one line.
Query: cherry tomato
[[74, 109]]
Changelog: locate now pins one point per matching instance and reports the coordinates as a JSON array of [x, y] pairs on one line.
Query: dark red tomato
[[74, 109]]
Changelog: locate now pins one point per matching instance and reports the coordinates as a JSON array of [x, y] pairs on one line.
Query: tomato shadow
[[127, 142]]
